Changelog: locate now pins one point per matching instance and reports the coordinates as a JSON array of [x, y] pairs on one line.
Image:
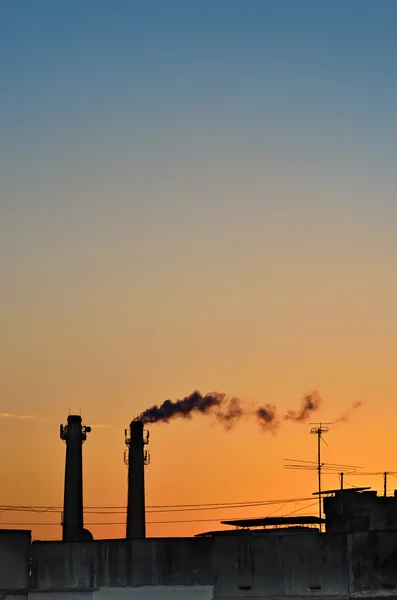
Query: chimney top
[[74, 419]]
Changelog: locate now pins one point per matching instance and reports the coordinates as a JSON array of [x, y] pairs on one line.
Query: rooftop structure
[[359, 509], [275, 521]]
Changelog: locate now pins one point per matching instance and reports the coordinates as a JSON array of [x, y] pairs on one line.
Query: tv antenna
[[384, 476], [326, 468], [318, 430]]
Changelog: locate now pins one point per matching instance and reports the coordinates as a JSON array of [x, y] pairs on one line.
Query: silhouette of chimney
[[74, 435], [136, 458]]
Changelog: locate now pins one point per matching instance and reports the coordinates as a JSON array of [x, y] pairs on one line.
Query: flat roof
[[234, 532], [275, 521], [342, 490]]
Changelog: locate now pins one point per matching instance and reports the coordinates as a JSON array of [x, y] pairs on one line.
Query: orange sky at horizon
[[192, 462]]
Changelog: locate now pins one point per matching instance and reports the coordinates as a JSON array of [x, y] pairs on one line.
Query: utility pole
[[341, 480], [385, 483], [318, 431]]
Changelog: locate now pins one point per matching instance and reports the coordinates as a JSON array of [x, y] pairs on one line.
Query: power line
[[392, 473], [100, 524], [165, 522], [49, 511], [286, 503], [33, 506], [118, 523], [169, 508], [301, 508]]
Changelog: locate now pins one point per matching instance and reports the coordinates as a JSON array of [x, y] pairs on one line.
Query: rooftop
[[275, 521]]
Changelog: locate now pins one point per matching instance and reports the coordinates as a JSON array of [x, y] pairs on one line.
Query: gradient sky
[[195, 195]]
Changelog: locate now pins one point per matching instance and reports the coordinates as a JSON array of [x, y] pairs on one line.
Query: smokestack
[[74, 435], [138, 457]]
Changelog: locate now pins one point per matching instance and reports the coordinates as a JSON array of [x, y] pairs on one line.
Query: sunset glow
[[200, 198]]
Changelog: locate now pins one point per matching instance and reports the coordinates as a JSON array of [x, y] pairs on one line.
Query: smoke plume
[[310, 404], [227, 412], [231, 413], [266, 416], [348, 413]]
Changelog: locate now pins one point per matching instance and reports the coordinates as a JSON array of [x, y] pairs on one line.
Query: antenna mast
[[318, 431]]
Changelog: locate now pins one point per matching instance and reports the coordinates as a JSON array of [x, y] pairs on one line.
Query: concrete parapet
[[315, 565], [161, 592], [276, 566], [121, 563], [373, 563], [59, 566], [239, 566], [14, 562]]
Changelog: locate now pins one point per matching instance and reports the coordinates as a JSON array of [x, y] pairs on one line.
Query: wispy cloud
[[99, 426], [15, 416]]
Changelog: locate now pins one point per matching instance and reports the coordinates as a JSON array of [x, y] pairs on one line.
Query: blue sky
[[90, 86], [100, 94], [165, 64]]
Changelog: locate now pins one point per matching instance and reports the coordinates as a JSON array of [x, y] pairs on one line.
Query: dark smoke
[[310, 403], [348, 413], [228, 412], [225, 411], [267, 417], [231, 413]]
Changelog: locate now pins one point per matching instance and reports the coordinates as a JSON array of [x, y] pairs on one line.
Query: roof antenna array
[[318, 430], [307, 465]]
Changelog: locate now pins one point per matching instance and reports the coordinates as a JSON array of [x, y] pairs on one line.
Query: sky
[[195, 195]]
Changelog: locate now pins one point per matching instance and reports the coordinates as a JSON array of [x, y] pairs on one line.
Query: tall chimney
[[138, 457], [74, 435]]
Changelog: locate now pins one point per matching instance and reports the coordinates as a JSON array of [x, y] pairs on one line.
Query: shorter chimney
[[138, 457], [74, 435]]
